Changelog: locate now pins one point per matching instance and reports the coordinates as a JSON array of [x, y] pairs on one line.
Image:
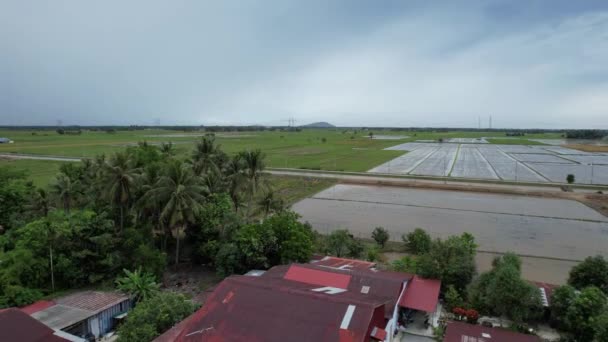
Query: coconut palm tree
[[204, 155], [41, 202], [167, 149], [270, 203], [254, 166], [67, 190], [119, 178], [235, 176], [180, 193]]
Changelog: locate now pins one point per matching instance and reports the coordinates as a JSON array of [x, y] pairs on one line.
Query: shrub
[[154, 316], [570, 178], [406, 264], [418, 241], [381, 236]]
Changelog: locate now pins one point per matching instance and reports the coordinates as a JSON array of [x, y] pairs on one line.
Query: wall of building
[[105, 319]]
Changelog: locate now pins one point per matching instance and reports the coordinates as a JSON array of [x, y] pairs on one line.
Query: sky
[[528, 64]]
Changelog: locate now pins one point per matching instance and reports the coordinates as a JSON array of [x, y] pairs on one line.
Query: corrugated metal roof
[[266, 309], [421, 294], [16, 325], [60, 316], [342, 263], [380, 285], [93, 301], [459, 331], [317, 277], [37, 306]]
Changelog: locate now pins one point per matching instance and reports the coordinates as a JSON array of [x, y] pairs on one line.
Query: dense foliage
[[381, 236], [418, 241], [451, 260], [153, 316], [593, 271], [503, 292], [133, 208]]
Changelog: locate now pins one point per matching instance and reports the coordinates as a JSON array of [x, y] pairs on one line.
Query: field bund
[[498, 162]]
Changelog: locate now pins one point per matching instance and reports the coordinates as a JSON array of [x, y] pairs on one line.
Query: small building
[[329, 299], [460, 331], [5, 140], [16, 325], [84, 314]]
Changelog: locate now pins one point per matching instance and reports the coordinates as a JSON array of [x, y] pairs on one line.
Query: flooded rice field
[[530, 226], [498, 162]]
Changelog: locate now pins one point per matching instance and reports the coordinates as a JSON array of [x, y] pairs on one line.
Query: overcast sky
[[351, 63]]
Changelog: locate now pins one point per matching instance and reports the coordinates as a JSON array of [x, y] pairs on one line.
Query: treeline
[[135, 208], [586, 134]]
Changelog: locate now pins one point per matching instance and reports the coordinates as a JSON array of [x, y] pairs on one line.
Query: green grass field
[[328, 149]]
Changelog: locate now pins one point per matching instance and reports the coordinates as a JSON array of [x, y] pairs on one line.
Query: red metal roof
[[16, 325], [382, 285], [343, 263], [379, 334], [37, 306], [317, 277], [264, 309], [421, 294], [459, 331]]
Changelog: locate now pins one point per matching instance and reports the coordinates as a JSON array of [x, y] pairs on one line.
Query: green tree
[[451, 260], [593, 271], [67, 190], [381, 236], [561, 300], [120, 176], [503, 292], [254, 166], [139, 285], [14, 194], [601, 327], [581, 316], [570, 178], [453, 299], [153, 316], [418, 241], [41, 202], [270, 203], [181, 195], [167, 149], [342, 243], [235, 174], [405, 264]]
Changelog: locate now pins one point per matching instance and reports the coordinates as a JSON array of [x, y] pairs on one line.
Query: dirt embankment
[[588, 148], [598, 202]]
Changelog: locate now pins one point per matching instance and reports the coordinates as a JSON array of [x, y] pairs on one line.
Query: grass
[[40, 172], [292, 189]]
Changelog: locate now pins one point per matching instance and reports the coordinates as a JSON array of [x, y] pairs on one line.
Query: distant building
[[5, 141], [330, 299], [459, 332], [16, 325], [84, 314]]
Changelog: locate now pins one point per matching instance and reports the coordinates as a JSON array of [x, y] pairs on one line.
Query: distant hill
[[321, 124]]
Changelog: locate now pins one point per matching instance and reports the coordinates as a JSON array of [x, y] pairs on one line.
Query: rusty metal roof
[[94, 301], [459, 331], [265, 309], [16, 325]]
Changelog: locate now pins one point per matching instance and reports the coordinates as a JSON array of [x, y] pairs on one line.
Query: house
[[83, 313], [334, 300], [459, 332], [16, 325], [5, 141]]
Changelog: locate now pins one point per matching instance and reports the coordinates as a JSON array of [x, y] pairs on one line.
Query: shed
[[5, 140], [84, 313]]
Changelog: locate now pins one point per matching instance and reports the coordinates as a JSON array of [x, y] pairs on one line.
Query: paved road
[[39, 157]]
